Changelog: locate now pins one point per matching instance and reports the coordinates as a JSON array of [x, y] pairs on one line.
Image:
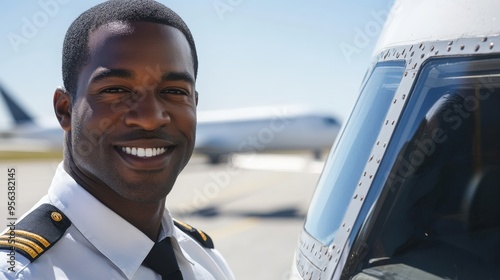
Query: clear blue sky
[[251, 52]]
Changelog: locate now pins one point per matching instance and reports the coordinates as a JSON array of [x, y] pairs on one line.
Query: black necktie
[[162, 260]]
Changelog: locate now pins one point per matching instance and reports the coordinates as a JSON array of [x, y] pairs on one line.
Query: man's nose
[[147, 112]]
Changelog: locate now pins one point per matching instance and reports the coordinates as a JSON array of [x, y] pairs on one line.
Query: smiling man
[[128, 108]]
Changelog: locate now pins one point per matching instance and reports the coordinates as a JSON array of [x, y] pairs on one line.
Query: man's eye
[[174, 91], [114, 90]]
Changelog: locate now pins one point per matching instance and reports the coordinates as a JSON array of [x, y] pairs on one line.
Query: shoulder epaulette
[[197, 234], [36, 233]]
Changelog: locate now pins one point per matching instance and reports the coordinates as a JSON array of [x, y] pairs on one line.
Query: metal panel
[[313, 259]]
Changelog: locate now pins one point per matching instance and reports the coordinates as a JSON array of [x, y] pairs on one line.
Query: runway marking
[[237, 188], [235, 228]]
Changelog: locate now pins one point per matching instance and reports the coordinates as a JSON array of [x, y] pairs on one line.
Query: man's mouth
[[143, 152]]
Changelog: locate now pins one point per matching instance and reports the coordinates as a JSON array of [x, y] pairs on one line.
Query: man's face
[[133, 119]]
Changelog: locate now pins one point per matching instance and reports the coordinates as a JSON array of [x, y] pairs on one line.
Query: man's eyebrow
[[178, 76], [104, 73]]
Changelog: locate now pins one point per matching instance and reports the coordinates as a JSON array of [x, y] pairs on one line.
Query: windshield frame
[[382, 182], [360, 131], [314, 260]]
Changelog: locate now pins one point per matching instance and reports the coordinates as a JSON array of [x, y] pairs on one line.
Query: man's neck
[[144, 216]]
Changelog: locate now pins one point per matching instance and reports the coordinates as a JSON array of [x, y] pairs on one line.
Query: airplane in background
[[219, 133], [26, 134], [251, 130]]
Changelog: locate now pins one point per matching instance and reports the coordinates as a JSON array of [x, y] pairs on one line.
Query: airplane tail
[[20, 116]]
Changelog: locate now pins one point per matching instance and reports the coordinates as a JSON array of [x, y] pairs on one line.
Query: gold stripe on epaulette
[[31, 235], [23, 247], [185, 225], [24, 241], [202, 235]]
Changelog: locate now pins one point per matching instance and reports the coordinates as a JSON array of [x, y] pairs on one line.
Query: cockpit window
[[438, 209], [339, 179]]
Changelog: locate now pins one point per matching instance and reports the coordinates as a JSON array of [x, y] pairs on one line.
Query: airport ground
[[252, 206]]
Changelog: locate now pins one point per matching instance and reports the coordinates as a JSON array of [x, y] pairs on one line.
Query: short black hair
[[75, 47]]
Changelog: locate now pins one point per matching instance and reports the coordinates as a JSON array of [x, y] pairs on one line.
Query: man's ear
[[196, 97], [62, 108]]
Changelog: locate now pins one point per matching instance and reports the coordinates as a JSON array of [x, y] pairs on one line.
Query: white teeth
[[143, 152]]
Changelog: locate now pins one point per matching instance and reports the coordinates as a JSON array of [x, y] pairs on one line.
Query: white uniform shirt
[[99, 244]]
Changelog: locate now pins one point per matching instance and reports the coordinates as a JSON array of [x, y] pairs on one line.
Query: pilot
[[128, 109]]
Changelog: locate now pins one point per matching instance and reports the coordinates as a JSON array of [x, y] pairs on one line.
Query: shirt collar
[[122, 243]]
